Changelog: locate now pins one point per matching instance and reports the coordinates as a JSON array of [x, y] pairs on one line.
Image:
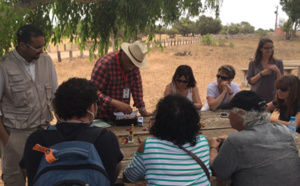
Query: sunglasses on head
[[282, 89], [180, 81], [222, 77]]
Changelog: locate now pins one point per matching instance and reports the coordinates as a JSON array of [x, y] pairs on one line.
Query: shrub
[[222, 41], [231, 44], [207, 40], [261, 33]]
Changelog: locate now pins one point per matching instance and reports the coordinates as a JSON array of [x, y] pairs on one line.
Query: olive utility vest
[[25, 103]]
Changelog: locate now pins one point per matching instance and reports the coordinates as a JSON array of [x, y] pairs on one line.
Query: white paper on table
[[121, 115]]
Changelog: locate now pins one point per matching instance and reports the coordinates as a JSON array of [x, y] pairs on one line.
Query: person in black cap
[[260, 153]]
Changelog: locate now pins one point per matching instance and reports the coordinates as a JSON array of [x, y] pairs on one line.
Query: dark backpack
[[78, 162]]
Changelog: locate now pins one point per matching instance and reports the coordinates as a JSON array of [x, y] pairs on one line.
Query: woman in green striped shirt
[[159, 160]]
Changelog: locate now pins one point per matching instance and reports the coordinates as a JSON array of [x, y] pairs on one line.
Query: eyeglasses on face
[[282, 89], [268, 48], [35, 49], [222, 77], [181, 81]]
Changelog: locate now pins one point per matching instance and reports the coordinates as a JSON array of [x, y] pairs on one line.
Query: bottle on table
[[292, 126]]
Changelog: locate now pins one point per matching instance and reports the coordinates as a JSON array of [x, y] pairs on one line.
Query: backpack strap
[[51, 136], [91, 134]]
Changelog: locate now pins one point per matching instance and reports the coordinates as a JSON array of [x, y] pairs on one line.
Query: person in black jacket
[[75, 106]]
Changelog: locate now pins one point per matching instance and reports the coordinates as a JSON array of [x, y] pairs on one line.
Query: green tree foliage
[[208, 25], [172, 32], [292, 9], [101, 20], [233, 29], [184, 26], [240, 28], [246, 28]]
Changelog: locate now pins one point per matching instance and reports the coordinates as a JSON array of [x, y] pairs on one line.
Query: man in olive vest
[[28, 81]]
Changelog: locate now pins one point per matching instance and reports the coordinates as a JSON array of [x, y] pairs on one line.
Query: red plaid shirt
[[110, 81]]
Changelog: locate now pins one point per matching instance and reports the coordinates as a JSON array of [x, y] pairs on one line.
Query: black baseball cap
[[247, 100]]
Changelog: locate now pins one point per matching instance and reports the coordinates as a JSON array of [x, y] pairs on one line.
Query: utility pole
[[276, 12]]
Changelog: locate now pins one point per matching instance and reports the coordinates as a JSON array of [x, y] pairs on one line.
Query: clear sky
[[259, 13]]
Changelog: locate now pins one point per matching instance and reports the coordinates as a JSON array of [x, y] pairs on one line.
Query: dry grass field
[[204, 61]]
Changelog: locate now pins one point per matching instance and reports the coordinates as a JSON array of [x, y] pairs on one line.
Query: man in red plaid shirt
[[117, 74]]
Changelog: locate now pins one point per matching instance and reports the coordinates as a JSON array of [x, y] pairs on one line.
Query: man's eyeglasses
[[268, 48], [35, 49], [282, 89], [222, 77], [180, 81]]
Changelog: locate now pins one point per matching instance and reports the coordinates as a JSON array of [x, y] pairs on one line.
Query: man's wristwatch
[[142, 110]]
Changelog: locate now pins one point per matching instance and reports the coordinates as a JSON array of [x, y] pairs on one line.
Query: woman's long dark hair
[[187, 72], [258, 53], [292, 83], [176, 120]]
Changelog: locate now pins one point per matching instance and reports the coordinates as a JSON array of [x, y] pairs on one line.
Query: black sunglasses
[[222, 77], [180, 81], [268, 48], [282, 89]]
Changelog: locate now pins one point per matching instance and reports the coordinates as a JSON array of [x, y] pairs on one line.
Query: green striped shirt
[[163, 163]]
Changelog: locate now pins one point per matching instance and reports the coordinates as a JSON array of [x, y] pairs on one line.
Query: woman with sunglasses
[[287, 100], [184, 83], [264, 70], [221, 91]]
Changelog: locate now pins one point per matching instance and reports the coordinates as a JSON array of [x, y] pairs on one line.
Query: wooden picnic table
[[214, 125], [293, 63], [287, 70]]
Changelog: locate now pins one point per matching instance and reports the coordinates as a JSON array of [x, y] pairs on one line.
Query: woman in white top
[[184, 83]]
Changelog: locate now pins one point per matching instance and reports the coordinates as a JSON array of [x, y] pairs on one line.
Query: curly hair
[[228, 70], [74, 97], [187, 72], [176, 120], [25, 33], [258, 53], [292, 83]]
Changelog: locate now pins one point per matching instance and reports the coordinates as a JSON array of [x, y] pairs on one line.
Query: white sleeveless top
[[189, 95]]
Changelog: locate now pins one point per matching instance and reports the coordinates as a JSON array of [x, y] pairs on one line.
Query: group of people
[[261, 153]]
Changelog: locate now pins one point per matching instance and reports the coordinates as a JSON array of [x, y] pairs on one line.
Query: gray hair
[[253, 118]]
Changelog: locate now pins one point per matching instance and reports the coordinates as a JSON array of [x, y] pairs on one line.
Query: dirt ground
[[161, 65]]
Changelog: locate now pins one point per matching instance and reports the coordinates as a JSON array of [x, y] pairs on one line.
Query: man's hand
[[214, 142], [226, 87], [122, 107], [3, 133], [146, 113], [4, 138]]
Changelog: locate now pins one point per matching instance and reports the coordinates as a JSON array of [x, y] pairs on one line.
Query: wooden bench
[[287, 70]]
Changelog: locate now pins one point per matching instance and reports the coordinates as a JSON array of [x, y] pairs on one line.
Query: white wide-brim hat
[[136, 52]]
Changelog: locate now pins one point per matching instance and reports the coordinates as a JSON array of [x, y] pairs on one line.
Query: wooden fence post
[[70, 55], [58, 56], [65, 47]]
